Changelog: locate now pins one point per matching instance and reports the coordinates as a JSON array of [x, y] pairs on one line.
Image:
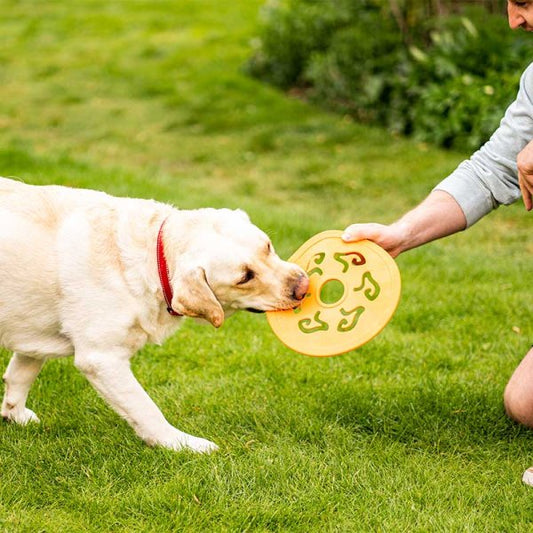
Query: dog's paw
[[199, 445], [182, 441], [20, 416]]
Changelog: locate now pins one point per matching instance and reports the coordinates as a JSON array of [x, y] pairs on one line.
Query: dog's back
[[44, 205], [37, 224]]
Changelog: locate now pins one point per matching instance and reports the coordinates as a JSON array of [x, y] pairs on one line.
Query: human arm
[[490, 177], [524, 162], [437, 216], [480, 184]]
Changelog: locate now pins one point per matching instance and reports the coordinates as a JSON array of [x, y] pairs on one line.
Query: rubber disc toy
[[354, 289]]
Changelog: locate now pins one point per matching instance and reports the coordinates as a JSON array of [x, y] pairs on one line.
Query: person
[[500, 172]]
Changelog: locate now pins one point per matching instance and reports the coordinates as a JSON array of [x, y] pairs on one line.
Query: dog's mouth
[[253, 310]]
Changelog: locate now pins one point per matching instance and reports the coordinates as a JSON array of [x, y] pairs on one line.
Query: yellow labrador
[[96, 276]]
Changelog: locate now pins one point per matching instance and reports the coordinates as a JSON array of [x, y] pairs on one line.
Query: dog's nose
[[300, 289]]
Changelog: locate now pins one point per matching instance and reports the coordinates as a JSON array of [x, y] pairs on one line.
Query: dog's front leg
[[111, 375], [18, 378]]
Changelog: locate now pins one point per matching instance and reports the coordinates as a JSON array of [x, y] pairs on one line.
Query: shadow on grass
[[448, 418]]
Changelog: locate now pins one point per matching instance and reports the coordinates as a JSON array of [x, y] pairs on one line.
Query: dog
[[95, 276]]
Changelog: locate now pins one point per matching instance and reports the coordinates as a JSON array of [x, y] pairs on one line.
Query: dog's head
[[220, 262]]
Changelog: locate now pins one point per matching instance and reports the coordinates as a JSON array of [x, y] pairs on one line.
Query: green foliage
[[295, 31], [461, 112], [449, 85]]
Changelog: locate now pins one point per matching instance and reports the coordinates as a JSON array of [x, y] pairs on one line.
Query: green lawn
[[408, 433]]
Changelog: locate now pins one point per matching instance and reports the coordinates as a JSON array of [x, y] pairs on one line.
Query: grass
[[407, 433]]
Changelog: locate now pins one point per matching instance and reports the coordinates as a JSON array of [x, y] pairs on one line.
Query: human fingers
[[527, 192], [358, 232], [378, 233]]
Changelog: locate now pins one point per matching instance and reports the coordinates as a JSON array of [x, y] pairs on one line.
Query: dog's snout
[[300, 287]]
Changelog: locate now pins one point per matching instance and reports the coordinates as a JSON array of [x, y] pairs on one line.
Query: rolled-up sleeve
[[490, 178]]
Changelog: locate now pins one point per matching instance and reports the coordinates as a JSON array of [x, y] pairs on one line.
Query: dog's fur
[[78, 276]]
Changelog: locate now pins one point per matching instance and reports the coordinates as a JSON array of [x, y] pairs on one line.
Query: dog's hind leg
[[18, 378]]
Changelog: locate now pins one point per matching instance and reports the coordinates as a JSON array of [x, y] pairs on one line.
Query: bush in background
[[447, 82]]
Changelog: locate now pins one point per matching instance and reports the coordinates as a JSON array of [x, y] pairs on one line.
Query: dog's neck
[[162, 268]]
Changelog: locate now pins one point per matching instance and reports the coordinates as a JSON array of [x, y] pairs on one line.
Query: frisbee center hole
[[331, 292]]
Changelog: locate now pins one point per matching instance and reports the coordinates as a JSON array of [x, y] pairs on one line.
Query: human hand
[[524, 163], [389, 238]]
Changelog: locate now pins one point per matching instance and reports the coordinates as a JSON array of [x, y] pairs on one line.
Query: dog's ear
[[193, 297]]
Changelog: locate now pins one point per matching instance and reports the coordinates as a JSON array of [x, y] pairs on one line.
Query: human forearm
[[437, 216]]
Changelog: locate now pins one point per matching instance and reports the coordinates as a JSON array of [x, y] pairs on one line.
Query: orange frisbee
[[354, 289]]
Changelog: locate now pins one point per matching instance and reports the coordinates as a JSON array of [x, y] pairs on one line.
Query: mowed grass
[[407, 433]]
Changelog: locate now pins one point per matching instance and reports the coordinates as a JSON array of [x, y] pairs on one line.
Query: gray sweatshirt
[[490, 177]]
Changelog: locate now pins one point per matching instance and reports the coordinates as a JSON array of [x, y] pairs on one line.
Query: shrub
[[448, 84], [293, 31]]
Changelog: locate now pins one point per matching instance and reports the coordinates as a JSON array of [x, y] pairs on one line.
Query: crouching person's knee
[[518, 404]]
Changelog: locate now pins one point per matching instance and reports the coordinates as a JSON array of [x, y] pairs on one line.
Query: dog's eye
[[249, 275]]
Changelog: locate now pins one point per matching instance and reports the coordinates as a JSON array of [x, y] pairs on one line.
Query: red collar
[[162, 268]]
